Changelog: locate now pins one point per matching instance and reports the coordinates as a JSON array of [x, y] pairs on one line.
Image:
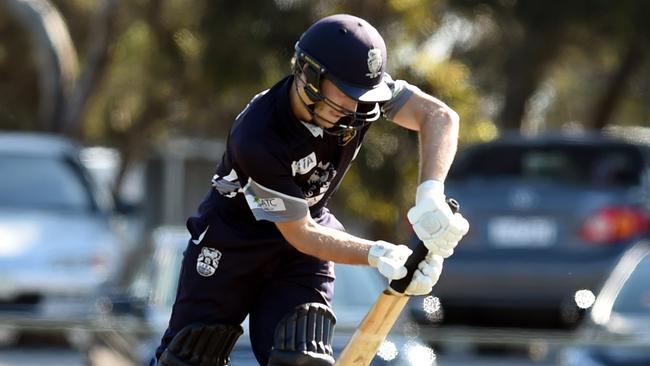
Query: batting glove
[[439, 229], [426, 276], [389, 259]]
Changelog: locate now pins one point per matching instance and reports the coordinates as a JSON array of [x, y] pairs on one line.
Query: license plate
[[518, 232]]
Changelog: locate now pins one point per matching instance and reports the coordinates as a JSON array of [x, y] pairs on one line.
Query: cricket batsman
[[263, 243]]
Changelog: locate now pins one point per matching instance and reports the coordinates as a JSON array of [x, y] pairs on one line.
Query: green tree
[[525, 44], [150, 69]]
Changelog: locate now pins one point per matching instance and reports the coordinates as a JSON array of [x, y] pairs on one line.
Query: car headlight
[[17, 239]]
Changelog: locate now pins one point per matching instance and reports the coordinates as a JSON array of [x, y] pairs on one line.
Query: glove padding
[[426, 276], [389, 259], [433, 222]]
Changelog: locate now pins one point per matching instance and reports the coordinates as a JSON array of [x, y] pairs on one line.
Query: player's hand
[[389, 259], [439, 229], [425, 276]]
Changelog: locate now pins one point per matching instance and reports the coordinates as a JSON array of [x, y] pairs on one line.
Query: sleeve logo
[[268, 204]]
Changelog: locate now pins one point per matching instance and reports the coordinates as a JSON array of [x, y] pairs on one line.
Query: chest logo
[[319, 182], [304, 165], [208, 261]]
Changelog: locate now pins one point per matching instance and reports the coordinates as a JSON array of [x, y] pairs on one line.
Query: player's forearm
[[328, 244], [438, 143]]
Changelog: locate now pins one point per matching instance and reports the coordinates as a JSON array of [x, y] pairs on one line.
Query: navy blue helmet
[[351, 53]]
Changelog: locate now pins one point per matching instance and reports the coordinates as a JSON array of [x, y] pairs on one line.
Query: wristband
[[376, 251], [429, 188]]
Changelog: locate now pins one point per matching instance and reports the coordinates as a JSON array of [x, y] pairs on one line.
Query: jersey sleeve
[[270, 190], [402, 91]]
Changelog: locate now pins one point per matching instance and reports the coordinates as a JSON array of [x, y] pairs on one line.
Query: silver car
[[131, 324], [549, 216], [57, 247], [617, 330]]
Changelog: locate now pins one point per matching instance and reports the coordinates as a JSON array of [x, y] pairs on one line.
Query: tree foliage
[[150, 69], [569, 62]]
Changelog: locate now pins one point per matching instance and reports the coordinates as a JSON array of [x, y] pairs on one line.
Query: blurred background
[[114, 114]]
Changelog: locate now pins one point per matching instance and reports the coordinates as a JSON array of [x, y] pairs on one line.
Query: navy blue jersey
[[277, 168]]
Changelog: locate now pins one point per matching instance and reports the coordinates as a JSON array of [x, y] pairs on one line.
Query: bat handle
[[419, 253]]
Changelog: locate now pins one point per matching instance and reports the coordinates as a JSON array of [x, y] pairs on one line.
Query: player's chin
[[326, 123]]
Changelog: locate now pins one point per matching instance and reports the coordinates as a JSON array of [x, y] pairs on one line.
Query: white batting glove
[[439, 229], [389, 259], [426, 276]]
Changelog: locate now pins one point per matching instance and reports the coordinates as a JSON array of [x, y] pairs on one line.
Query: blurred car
[[617, 330], [57, 246], [549, 215], [132, 322]]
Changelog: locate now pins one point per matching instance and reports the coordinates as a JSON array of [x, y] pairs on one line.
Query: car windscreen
[[42, 183], [612, 165], [634, 297]]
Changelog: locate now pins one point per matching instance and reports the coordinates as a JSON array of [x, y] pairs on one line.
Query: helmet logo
[[374, 63]]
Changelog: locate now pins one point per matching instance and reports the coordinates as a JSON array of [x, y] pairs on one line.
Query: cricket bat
[[379, 320]]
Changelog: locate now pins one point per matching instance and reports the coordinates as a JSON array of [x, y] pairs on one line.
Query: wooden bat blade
[[372, 331], [379, 320]]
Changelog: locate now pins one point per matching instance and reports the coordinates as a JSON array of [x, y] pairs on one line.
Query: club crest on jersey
[[374, 63], [304, 165], [319, 183], [208, 261]]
